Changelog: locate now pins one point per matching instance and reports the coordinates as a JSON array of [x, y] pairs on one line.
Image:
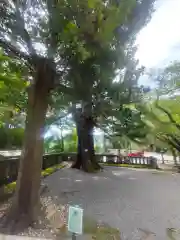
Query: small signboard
[[75, 220]]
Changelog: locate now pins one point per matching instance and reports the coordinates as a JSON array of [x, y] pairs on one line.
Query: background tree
[[12, 103], [100, 68], [162, 112]]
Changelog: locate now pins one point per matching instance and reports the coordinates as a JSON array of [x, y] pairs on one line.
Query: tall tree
[[29, 33], [98, 53], [108, 102], [100, 68]]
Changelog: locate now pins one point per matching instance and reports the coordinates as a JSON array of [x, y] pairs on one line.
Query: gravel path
[[138, 202]]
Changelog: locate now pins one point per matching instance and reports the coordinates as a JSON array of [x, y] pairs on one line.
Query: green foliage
[[53, 145], [11, 138], [100, 231], [70, 141], [128, 165], [12, 101], [169, 80], [97, 149], [84, 44], [67, 143], [162, 114], [12, 84], [89, 37], [49, 171], [126, 126]]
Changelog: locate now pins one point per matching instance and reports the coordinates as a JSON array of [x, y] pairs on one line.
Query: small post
[[73, 236], [75, 221]]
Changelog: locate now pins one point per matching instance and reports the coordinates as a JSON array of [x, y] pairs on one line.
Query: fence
[[114, 159], [9, 165]]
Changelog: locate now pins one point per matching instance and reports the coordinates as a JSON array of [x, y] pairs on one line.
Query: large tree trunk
[[26, 200], [78, 163], [86, 158], [82, 155], [90, 144]]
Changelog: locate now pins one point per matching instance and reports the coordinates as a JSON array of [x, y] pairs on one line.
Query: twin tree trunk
[[86, 158], [26, 199]]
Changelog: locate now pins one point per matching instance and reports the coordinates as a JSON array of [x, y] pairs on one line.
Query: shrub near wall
[[9, 165]]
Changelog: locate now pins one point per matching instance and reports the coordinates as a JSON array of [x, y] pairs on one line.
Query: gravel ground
[[48, 221], [140, 203], [51, 218]]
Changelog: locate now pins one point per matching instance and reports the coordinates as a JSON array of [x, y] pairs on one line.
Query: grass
[[8, 189], [127, 165], [100, 231], [173, 233], [94, 230]]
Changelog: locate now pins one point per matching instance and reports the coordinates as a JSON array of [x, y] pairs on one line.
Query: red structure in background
[[136, 154]]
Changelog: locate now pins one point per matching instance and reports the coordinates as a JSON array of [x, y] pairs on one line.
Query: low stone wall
[[9, 165]]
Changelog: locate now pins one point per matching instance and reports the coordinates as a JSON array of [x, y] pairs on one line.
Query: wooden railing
[[9, 165]]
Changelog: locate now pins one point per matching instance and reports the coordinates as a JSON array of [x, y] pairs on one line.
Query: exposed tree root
[[90, 166]]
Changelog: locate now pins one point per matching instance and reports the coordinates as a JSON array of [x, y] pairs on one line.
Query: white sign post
[[75, 221]]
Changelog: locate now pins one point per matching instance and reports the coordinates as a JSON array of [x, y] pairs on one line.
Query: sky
[[159, 41]]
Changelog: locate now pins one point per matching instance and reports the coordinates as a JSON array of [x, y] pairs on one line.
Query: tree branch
[[57, 119], [172, 142], [64, 89], [52, 40], [172, 120], [9, 48], [20, 24]]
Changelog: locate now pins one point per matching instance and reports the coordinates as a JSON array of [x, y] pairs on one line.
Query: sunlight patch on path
[[118, 173], [64, 178], [132, 178], [99, 178]]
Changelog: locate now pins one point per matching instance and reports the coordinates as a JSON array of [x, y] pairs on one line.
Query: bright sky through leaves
[[159, 42]]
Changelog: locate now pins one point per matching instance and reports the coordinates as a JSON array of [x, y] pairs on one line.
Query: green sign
[[75, 219]]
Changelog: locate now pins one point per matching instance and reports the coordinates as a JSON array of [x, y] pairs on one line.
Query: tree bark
[[174, 155], [90, 145], [26, 200], [82, 158], [86, 158], [78, 163], [62, 139]]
